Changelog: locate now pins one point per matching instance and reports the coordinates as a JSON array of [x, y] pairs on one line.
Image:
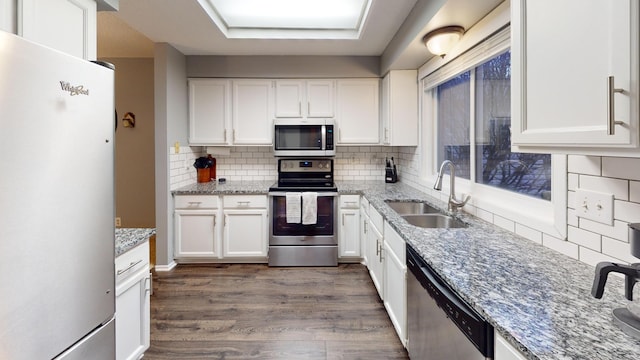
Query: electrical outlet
[[594, 206], [118, 222]]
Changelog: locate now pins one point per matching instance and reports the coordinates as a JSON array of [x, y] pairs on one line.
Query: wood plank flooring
[[252, 311]]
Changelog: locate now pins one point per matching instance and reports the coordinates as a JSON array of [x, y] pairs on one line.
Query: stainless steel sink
[[412, 207], [434, 221]]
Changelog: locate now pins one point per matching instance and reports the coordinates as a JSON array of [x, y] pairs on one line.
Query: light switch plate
[[594, 206]]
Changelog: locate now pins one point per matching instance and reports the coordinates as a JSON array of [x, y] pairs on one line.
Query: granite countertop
[[229, 187], [128, 238], [536, 298]]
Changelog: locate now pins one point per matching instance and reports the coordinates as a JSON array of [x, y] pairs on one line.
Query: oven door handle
[[284, 193]]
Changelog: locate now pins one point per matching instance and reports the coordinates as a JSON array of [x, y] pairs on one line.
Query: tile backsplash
[[254, 163]]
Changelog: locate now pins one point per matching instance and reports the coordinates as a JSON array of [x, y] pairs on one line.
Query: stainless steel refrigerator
[[56, 204]]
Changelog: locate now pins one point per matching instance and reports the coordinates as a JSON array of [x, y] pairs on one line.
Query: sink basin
[[412, 207], [433, 221]]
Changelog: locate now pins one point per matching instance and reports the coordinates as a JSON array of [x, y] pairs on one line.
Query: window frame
[[487, 202]]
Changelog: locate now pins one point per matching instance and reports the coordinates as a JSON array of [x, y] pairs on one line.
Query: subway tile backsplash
[[253, 163]]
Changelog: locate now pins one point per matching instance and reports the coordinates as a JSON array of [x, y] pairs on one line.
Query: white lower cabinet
[[395, 281], [504, 351], [213, 228], [245, 226], [197, 234], [133, 288], [349, 228], [375, 250]]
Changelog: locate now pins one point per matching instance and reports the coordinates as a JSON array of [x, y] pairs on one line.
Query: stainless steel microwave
[[304, 137]]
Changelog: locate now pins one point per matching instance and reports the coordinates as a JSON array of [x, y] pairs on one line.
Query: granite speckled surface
[[128, 238], [229, 187], [536, 298]]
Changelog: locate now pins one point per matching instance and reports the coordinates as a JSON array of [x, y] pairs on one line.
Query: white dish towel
[[292, 207], [309, 208]]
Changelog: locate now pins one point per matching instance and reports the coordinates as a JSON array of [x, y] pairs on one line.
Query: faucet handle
[[455, 203]]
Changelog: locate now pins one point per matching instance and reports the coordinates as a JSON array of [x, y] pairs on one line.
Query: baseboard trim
[[166, 267]]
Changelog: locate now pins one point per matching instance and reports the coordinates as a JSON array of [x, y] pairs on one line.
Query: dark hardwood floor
[[244, 311]]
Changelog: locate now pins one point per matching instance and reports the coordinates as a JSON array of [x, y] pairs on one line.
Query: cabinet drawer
[[245, 201], [196, 202], [130, 262], [349, 201], [376, 219]]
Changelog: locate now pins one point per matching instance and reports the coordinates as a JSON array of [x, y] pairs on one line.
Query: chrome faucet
[[453, 203]]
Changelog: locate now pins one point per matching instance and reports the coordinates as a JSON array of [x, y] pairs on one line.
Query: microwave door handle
[[323, 132]]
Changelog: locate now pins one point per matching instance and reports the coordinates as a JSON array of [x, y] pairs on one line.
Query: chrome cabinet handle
[[195, 202], [377, 247], [366, 227], [611, 106], [244, 203], [342, 219], [132, 264]]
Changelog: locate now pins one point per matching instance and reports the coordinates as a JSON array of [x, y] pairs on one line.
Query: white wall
[[171, 119]]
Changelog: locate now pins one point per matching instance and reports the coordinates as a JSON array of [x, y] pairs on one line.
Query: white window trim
[[548, 217]]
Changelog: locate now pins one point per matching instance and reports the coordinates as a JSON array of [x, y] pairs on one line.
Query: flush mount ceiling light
[[440, 41], [288, 19]]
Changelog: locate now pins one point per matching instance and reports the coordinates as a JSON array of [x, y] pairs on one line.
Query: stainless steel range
[[292, 241]]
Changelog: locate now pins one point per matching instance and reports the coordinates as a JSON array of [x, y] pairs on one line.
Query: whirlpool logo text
[[74, 90]]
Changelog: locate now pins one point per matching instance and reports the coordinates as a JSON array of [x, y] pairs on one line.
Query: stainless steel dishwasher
[[440, 325]]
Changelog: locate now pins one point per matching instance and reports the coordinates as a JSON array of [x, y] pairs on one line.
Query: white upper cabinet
[[8, 16], [400, 108], [305, 98], [357, 111], [209, 111], [562, 99], [252, 112], [66, 25]]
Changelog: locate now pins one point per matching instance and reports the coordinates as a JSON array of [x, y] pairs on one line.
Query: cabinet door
[[395, 284], [245, 233], [289, 98], [561, 102], [349, 233], [357, 113], [252, 112], [399, 106], [209, 111], [8, 16], [196, 235], [66, 25], [133, 317], [320, 98], [375, 258]]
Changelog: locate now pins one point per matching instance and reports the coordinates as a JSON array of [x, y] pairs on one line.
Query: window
[[496, 165], [466, 118]]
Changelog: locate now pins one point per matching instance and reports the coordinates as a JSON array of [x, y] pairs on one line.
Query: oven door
[[323, 232]]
